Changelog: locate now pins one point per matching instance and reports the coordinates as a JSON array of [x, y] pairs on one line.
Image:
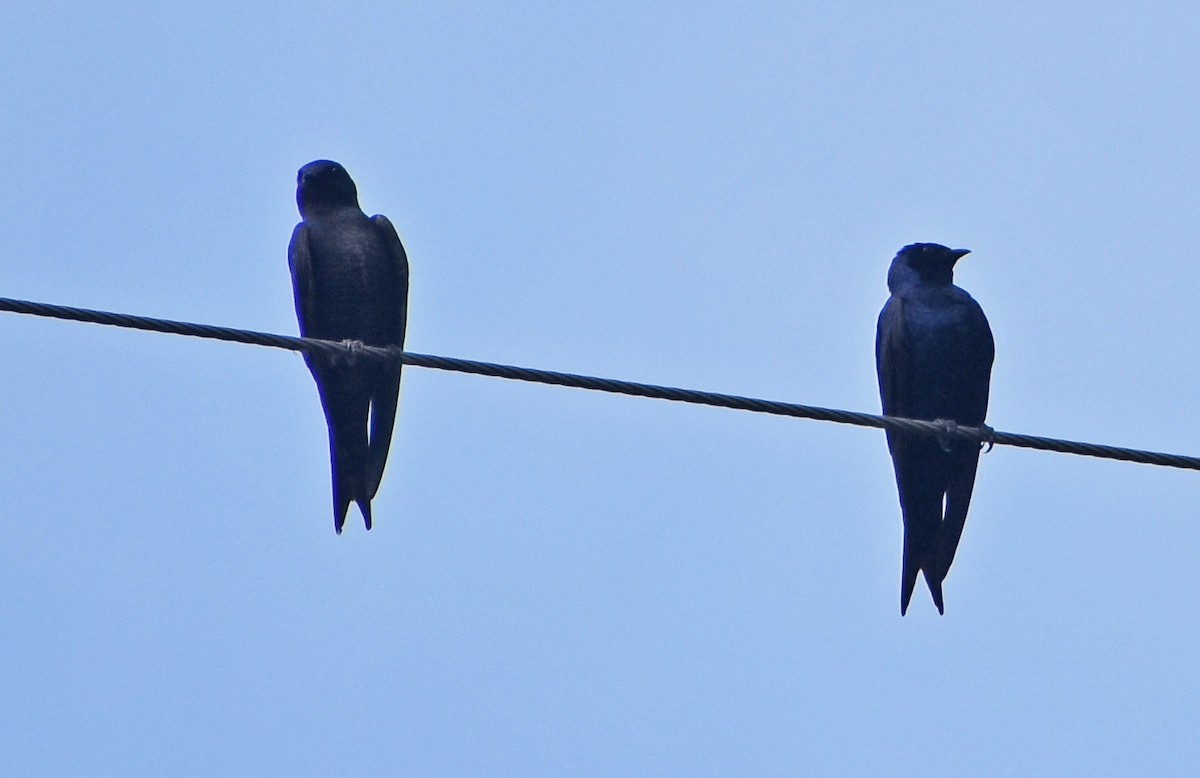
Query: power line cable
[[943, 429]]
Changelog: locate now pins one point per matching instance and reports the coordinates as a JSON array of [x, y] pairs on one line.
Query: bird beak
[[960, 253]]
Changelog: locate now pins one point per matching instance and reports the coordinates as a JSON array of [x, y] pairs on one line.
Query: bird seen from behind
[[933, 356], [350, 282]]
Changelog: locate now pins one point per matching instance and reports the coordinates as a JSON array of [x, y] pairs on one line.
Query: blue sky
[[562, 582]]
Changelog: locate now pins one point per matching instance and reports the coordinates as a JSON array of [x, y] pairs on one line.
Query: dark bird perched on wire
[[933, 354], [350, 280]]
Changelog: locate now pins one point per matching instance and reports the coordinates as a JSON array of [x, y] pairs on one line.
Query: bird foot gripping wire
[[987, 437], [354, 347], [949, 426]]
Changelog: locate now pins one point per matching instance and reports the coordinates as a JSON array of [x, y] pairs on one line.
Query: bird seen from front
[[933, 355], [350, 281]]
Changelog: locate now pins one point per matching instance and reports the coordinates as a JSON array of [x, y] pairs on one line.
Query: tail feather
[[346, 418], [342, 496], [924, 564], [352, 475], [908, 581], [960, 483], [935, 588], [348, 480], [384, 400], [348, 487]]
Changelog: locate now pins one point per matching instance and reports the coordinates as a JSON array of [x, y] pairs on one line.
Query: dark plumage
[[933, 354], [350, 280]]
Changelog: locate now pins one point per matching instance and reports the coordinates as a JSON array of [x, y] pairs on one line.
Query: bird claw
[[949, 426], [988, 437], [353, 348]]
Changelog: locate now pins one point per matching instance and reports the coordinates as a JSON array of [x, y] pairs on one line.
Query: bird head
[[323, 185], [932, 262]]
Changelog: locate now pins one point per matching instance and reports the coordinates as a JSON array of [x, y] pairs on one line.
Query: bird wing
[[976, 355], [890, 362], [395, 250], [327, 378], [914, 458], [385, 394], [300, 264], [979, 354]]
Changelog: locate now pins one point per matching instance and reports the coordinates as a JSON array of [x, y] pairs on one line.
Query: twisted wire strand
[[942, 429]]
